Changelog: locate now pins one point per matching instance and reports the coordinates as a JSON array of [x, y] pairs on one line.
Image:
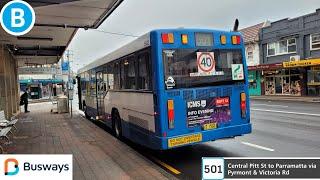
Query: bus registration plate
[[209, 126], [183, 140]]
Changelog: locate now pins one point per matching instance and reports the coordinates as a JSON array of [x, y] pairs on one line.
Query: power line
[[115, 33]]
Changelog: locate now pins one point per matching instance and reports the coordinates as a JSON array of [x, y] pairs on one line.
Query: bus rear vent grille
[[188, 95], [239, 88], [205, 93], [173, 93], [227, 91]]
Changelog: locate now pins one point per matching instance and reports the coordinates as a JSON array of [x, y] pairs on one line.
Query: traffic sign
[[237, 72], [206, 62]]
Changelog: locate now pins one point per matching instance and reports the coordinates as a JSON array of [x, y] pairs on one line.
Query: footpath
[[96, 153]]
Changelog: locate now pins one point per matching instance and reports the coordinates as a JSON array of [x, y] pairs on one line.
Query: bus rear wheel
[[85, 111], [117, 125]]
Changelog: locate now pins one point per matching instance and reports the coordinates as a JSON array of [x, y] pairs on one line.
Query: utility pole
[[69, 83]]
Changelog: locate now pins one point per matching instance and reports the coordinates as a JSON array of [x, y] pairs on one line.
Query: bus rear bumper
[[209, 135]]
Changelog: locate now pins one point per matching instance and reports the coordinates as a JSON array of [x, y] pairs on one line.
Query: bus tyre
[[117, 125]]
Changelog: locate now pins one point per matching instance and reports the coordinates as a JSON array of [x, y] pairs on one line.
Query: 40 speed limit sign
[[206, 63]]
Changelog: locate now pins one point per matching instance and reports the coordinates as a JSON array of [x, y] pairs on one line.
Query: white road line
[[269, 105], [257, 146], [285, 112]]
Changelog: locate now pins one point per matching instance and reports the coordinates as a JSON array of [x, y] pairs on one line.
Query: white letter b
[[17, 19]]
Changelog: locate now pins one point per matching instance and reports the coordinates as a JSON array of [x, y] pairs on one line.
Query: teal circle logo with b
[[17, 17]]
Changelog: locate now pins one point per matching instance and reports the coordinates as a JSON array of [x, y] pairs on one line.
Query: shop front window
[[314, 81], [283, 82], [278, 85], [295, 85], [252, 80], [269, 85]]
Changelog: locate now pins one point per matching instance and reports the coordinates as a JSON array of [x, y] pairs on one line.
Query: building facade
[[251, 40], [41, 80], [290, 56]]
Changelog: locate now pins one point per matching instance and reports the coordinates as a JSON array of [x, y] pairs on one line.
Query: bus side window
[[93, 83], [128, 73], [105, 81], [83, 87], [116, 74], [144, 78], [83, 84], [109, 77]]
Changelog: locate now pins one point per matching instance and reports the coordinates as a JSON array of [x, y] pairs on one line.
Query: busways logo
[[6, 167], [45, 167], [36, 167], [17, 17], [32, 167]]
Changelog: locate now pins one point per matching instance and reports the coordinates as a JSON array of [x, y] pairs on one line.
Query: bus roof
[[138, 44], [135, 45]]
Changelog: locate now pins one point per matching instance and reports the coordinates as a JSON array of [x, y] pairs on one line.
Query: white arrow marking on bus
[[257, 146]]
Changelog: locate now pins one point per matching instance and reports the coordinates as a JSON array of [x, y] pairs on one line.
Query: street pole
[[69, 84]]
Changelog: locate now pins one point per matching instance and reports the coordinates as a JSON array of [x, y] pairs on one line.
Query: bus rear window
[[184, 68]]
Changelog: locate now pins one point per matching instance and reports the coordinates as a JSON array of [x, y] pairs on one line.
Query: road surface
[[280, 128]]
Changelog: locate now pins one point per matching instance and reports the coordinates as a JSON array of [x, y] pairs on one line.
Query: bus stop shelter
[[57, 21]]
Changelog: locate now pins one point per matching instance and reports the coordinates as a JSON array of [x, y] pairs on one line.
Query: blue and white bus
[[170, 88]]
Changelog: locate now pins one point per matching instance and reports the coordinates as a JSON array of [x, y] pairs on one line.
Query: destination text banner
[[272, 168]]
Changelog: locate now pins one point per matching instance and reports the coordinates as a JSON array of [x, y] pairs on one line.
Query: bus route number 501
[[212, 168]]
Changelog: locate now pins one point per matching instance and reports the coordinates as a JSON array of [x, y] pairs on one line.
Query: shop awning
[[56, 23], [301, 63], [265, 66], [41, 81], [287, 64]]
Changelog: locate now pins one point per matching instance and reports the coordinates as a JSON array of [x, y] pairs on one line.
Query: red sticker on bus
[[222, 101]]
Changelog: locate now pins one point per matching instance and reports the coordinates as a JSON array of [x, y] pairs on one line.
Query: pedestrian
[[54, 90], [24, 99]]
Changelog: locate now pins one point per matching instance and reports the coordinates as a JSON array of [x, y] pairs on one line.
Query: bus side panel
[[91, 104], [137, 114], [158, 79]]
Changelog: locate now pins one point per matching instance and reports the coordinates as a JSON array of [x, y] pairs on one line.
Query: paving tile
[[96, 153]]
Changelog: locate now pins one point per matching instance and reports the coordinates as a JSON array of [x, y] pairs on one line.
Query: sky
[[137, 17]]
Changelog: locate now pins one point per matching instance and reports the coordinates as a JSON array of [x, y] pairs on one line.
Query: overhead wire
[[115, 33]]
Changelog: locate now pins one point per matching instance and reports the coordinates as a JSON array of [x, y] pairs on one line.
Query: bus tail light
[[243, 106], [171, 114], [223, 39], [184, 39], [236, 40], [164, 134], [167, 38]]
